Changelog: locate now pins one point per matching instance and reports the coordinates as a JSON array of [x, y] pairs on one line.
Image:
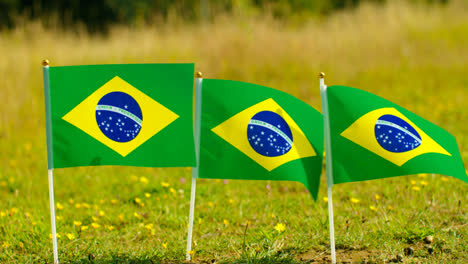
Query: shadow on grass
[[122, 258], [264, 260]]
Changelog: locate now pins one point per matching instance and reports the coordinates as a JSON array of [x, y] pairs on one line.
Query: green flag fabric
[[252, 132], [372, 138], [134, 114]]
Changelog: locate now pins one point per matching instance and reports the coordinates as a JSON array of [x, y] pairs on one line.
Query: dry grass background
[[415, 56]]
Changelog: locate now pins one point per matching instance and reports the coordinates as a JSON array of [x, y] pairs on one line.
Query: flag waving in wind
[[377, 139], [253, 132], [138, 115]]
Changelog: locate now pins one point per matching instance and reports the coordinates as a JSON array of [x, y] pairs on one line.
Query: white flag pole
[[197, 124], [52, 215], [45, 71], [329, 168]]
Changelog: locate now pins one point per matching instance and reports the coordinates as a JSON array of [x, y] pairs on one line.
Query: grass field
[[415, 56]]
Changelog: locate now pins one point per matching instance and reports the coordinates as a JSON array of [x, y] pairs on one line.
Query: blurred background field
[[413, 53]]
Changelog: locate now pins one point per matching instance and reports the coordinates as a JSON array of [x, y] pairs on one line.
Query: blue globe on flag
[[396, 135], [119, 116], [269, 134]]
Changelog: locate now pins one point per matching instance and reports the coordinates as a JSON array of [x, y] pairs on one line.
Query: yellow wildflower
[[71, 201], [272, 215], [110, 228], [134, 178], [113, 201], [390, 207], [78, 206], [102, 201], [165, 184], [191, 252], [413, 182], [5, 244], [34, 223], [2, 214], [95, 219], [11, 180], [422, 175], [83, 228], [77, 223], [325, 199], [59, 217], [416, 188], [372, 208], [199, 221], [172, 190], [144, 180], [231, 201], [137, 200], [210, 204], [149, 226], [120, 216], [14, 210], [377, 197], [137, 215], [102, 213], [85, 205], [164, 245], [70, 236], [444, 179], [280, 227], [354, 200], [95, 225], [424, 183], [59, 206], [3, 183], [225, 222], [147, 195]]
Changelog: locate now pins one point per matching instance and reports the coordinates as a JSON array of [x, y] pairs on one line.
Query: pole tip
[[198, 75], [45, 62], [321, 75]]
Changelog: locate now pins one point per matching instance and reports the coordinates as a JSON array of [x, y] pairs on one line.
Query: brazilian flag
[[252, 132], [135, 115], [373, 138]]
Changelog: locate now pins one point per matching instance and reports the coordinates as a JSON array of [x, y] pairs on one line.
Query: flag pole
[[52, 215], [45, 71], [197, 124], [329, 168]]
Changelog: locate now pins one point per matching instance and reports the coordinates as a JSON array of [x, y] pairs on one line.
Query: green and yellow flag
[[136, 115], [373, 138], [252, 132]]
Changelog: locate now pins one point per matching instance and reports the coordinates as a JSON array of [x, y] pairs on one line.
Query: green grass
[[414, 56]]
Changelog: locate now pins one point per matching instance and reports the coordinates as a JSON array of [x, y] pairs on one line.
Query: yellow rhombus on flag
[[156, 116], [233, 131]]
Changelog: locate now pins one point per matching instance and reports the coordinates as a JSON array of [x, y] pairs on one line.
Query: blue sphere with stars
[[269, 134], [396, 135], [119, 116]]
